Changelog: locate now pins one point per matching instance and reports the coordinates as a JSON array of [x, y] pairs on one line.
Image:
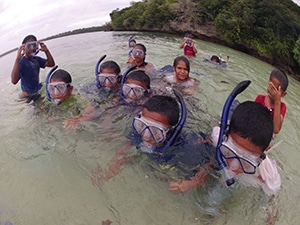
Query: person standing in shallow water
[[188, 45], [27, 66]]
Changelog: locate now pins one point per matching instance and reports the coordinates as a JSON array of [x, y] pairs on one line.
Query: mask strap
[[97, 70], [177, 129]]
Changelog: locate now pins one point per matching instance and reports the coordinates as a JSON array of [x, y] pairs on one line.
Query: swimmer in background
[[188, 45], [181, 78], [137, 59], [276, 90]]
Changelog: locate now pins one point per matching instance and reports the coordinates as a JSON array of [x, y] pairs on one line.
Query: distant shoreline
[[68, 33]]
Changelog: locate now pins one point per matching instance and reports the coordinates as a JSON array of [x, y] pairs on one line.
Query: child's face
[[59, 90], [181, 71], [30, 47], [134, 89], [274, 86], [241, 154], [153, 127], [108, 78], [138, 54]]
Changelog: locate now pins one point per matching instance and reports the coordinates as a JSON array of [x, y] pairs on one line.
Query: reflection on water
[[48, 173]]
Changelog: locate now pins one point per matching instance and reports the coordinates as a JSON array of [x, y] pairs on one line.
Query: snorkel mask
[[131, 89], [223, 127], [32, 46], [175, 131], [48, 78]]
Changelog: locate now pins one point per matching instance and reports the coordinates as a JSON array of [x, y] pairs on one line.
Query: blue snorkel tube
[[48, 78], [240, 87], [97, 70], [179, 125]]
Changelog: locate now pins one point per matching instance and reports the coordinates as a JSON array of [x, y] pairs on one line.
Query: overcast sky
[[49, 17]]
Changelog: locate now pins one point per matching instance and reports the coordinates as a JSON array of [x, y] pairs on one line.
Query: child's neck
[[269, 102]]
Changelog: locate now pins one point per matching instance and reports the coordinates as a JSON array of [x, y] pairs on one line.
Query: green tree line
[[267, 29]]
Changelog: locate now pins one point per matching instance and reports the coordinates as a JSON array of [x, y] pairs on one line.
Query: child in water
[[108, 79], [63, 103], [181, 78], [137, 58], [27, 67], [134, 90], [250, 132], [277, 86]]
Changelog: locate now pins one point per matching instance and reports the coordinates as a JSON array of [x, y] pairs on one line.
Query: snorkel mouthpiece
[[226, 172]]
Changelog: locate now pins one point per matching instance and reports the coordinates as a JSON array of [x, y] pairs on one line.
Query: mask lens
[[158, 134], [31, 45], [138, 52], [247, 166], [60, 87], [110, 78], [135, 91]]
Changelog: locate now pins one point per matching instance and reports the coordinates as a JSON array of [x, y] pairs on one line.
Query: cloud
[[45, 18]]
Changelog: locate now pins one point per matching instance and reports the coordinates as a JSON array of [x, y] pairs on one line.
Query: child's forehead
[[56, 80], [137, 82], [275, 81], [108, 71]]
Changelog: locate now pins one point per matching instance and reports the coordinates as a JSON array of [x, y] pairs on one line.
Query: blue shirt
[[29, 71]]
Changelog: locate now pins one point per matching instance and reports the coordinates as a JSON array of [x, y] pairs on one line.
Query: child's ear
[[71, 88], [283, 94]]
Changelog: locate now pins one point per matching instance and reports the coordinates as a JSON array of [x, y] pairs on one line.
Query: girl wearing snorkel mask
[[27, 66], [137, 58]]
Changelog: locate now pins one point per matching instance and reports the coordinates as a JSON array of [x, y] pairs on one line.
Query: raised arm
[[50, 61], [275, 94], [15, 76]]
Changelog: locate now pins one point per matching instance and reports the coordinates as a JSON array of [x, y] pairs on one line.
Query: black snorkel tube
[[240, 87], [48, 78], [178, 127], [97, 70]]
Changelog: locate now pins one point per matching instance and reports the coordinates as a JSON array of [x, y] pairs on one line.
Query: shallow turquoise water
[[47, 171]]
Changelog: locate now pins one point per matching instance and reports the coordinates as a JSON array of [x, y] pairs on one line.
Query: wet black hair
[[190, 36], [61, 75], [139, 75], [184, 59], [29, 37], [216, 58], [281, 77], [111, 65], [252, 121], [142, 46], [164, 105]]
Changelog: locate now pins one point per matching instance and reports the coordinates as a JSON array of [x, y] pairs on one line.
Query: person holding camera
[[188, 45]]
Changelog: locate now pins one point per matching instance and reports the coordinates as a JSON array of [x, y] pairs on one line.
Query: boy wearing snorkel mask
[[27, 66], [135, 88], [243, 149], [60, 87], [157, 133], [62, 102]]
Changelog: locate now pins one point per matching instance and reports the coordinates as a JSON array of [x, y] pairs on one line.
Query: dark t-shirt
[[187, 154]]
